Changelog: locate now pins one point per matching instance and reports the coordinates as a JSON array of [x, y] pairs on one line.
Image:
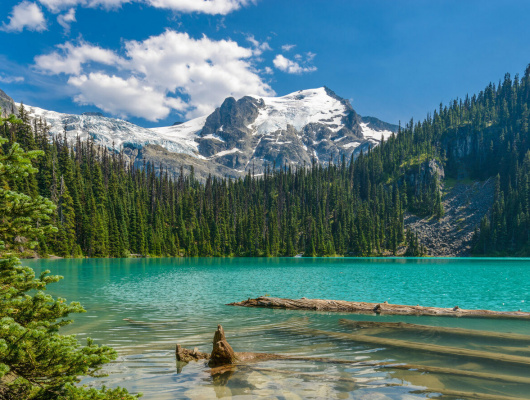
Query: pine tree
[[36, 362]]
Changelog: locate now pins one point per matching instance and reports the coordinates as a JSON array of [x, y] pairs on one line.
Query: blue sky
[[155, 62]]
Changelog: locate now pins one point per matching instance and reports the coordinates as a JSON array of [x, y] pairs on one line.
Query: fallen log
[[424, 347], [374, 308], [433, 329]]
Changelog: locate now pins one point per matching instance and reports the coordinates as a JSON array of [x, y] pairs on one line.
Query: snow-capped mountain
[[240, 135], [114, 133]]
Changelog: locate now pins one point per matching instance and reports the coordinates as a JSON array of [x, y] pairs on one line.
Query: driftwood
[[222, 353], [425, 347], [374, 308], [434, 329]]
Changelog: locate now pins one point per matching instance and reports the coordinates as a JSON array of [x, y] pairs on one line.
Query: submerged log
[[424, 347], [456, 372], [465, 395], [445, 392], [374, 325], [374, 308]]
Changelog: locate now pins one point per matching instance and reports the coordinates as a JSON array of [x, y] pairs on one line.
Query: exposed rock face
[[426, 173], [222, 353], [465, 205], [7, 105]]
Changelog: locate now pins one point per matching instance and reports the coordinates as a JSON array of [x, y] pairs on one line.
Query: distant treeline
[[106, 207]]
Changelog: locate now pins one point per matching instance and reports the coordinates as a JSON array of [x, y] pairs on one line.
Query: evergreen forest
[[107, 207]]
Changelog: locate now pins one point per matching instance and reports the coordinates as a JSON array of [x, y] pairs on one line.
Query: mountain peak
[[249, 133]]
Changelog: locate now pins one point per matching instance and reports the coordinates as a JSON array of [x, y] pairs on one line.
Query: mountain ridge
[[240, 135]]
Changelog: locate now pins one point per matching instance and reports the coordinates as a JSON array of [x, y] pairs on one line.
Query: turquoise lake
[[143, 307]]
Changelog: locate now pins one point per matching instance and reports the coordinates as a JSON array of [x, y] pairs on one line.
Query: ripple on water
[[143, 307]]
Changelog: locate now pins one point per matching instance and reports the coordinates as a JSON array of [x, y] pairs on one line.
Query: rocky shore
[[465, 205]]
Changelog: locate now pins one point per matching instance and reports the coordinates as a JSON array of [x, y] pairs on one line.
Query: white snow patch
[[299, 109], [213, 137], [316, 142], [115, 133], [370, 133], [183, 134], [225, 152], [352, 144]]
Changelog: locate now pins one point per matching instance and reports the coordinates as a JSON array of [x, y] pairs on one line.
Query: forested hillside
[[107, 208]]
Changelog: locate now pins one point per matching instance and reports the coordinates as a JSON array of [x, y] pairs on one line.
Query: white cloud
[[66, 19], [290, 66], [259, 47], [25, 15], [153, 75], [268, 71], [70, 58], [206, 70], [58, 5], [111, 93], [11, 79], [288, 47], [212, 7]]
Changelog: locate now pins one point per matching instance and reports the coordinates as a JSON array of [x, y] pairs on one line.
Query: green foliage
[[36, 362], [109, 208], [414, 248], [21, 216]]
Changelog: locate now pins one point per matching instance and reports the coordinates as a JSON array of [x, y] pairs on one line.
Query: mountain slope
[[240, 136], [6, 103]]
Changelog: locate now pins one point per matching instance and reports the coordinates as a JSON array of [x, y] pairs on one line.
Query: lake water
[[143, 307]]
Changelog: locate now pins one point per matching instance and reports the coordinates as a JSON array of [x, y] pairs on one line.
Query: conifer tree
[[36, 362]]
